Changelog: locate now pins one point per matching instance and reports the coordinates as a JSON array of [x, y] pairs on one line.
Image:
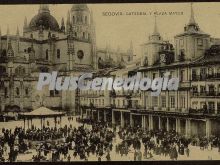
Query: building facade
[[192, 110], [45, 46]]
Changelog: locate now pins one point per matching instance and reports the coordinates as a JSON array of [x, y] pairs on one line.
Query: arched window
[[4, 53], [80, 54], [17, 91], [74, 19], [26, 91], [89, 36], [29, 49], [2, 70], [20, 70], [6, 92], [86, 21], [75, 34], [31, 35], [58, 53], [84, 35], [47, 54], [44, 69], [211, 71]]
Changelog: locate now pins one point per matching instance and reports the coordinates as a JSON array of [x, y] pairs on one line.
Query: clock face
[[163, 58]]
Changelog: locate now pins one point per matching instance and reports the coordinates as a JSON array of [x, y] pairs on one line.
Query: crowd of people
[[69, 143]]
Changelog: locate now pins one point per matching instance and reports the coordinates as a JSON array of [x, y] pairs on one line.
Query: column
[[150, 122], [159, 122], [113, 117], [55, 121], [98, 114], [24, 124], [177, 125], [41, 123], [28, 123], [44, 122], [188, 127], [81, 112], [122, 120], [87, 114], [92, 114], [208, 128], [216, 106], [168, 125], [105, 116], [131, 120], [143, 122], [31, 123], [60, 121]]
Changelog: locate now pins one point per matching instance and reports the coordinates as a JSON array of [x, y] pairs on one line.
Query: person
[[187, 152], [173, 153], [69, 158], [108, 158], [139, 155], [135, 155]]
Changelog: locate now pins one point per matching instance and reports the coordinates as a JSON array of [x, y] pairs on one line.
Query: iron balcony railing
[[204, 94], [203, 111], [204, 77]]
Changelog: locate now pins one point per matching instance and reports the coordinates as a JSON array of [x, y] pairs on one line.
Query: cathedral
[[45, 46]]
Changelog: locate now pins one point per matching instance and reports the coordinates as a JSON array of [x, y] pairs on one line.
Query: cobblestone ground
[[195, 152]]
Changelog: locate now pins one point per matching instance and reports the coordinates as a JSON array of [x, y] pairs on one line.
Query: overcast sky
[[120, 30]]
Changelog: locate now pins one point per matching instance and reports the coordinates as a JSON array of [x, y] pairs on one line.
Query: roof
[[78, 7], [42, 112], [45, 20], [208, 59]]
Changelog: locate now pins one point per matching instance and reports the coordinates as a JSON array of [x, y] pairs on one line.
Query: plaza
[[195, 152]]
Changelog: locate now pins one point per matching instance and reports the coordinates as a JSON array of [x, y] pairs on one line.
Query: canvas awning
[[42, 112]]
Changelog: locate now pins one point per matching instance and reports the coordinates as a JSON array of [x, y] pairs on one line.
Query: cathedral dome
[[44, 19], [78, 7]]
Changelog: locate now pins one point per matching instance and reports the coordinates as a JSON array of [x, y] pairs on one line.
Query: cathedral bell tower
[[80, 28], [193, 42], [150, 50]]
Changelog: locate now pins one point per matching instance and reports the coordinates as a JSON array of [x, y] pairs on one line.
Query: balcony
[[184, 85], [205, 94], [205, 77], [202, 111]]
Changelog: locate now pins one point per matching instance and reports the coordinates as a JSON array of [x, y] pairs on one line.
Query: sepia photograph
[[110, 82]]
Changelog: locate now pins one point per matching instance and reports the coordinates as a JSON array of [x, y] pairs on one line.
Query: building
[[46, 46], [194, 109]]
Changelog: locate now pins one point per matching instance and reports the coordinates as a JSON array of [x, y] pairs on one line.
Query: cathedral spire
[[17, 32], [44, 8], [62, 25], [155, 26], [25, 22], [131, 45], [192, 18], [10, 51], [68, 18], [68, 22], [8, 30]]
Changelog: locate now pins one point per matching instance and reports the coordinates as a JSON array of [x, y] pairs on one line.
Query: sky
[[119, 31]]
